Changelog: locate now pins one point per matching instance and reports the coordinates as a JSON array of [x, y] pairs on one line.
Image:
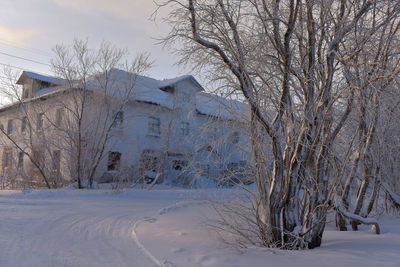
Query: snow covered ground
[[156, 228]]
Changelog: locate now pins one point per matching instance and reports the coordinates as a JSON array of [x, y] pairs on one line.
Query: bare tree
[[289, 57], [73, 123]]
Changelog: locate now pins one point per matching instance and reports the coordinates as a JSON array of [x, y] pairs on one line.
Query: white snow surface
[[157, 228]]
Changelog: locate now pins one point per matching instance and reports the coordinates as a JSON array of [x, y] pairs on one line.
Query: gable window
[[10, 126], [114, 159], [118, 119], [23, 124], [184, 131], [40, 121], [154, 128], [59, 116], [20, 160]]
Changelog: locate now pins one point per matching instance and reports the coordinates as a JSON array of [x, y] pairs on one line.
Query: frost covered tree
[[289, 59]]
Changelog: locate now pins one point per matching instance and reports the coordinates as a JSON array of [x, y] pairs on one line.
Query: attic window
[[44, 85], [168, 89]]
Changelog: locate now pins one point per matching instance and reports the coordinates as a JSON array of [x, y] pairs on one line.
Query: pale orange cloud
[[18, 36]]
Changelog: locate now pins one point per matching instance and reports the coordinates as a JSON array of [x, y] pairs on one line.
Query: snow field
[[157, 228]]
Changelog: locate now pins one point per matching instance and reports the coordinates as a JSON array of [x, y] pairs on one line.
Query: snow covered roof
[[148, 90], [40, 77], [217, 106], [174, 81]]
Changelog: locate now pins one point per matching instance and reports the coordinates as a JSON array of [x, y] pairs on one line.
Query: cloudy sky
[[29, 29]]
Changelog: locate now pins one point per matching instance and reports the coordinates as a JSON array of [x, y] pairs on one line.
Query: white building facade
[[171, 130]]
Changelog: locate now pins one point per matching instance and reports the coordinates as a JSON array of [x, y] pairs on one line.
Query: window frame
[[118, 119], [114, 160], [184, 128], [40, 121], [10, 126], [154, 126], [23, 124]]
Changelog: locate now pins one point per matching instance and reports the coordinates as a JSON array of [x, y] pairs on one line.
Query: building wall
[[185, 138]]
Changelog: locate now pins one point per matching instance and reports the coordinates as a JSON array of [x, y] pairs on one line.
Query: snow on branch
[[358, 218], [393, 196]]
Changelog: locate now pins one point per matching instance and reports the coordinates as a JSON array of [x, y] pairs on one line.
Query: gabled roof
[[217, 106], [27, 74], [148, 90], [174, 81]]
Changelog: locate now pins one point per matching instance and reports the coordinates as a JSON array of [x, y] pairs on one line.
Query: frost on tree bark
[[290, 58]]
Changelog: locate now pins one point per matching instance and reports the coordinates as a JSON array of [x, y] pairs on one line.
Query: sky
[[29, 29]]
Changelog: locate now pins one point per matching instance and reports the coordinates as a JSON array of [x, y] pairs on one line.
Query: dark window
[[7, 159], [56, 160], [26, 93], [20, 160], [10, 126], [179, 165], [44, 85], [114, 159], [23, 124], [40, 121], [59, 116], [1, 126], [149, 161], [38, 157], [118, 119]]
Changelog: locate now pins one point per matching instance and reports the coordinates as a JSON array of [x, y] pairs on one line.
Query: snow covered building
[[121, 126]]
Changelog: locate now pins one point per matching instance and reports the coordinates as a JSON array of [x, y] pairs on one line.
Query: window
[[118, 119], [56, 160], [235, 138], [20, 160], [6, 160], [205, 169], [114, 159], [23, 124], [154, 126], [44, 85], [10, 126], [179, 165], [38, 157], [149, 161], [59, 116], [40, 121], [26, 93], [212, 132], [184, 129], [1, 126]]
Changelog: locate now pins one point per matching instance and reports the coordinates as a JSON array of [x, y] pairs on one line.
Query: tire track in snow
[[163, 211]]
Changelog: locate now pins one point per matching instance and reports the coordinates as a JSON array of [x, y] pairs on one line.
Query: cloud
[[126, 9], [20, 36]]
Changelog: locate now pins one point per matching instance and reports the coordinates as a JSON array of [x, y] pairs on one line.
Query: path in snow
[[48, 228]]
